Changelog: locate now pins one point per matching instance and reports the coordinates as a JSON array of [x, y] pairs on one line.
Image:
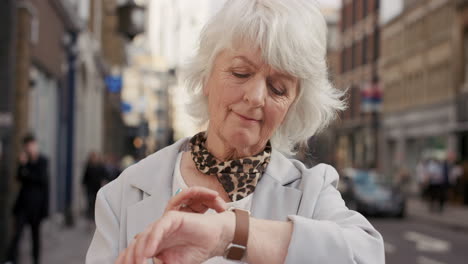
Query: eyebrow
[[245, 59], [277, 74], [284, 76]]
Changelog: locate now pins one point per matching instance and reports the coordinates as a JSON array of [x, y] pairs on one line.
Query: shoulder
[[323, 172], [147, 174], [293, 172]]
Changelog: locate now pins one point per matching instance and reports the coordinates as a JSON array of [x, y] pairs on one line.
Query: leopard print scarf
[[239, 177]]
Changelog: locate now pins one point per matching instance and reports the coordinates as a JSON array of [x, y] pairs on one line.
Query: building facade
[[7, 65], [462, 89], [52, 84], [420, 69], [358, 129]]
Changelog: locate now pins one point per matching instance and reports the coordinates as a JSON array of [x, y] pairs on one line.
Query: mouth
[[247, 118]]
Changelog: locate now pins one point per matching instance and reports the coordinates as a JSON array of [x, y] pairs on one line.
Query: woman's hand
[[196, 200], [180, 237]]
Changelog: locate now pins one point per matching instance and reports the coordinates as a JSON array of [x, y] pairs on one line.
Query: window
[[343, 18], [353, 56], [376, 44], [354, 11], [465, 50], [364, 50], [343, 60], [364, 8]]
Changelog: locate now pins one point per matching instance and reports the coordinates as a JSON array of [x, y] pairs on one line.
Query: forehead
[[252, 57]]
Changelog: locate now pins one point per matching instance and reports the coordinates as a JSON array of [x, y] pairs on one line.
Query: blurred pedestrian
[[93, 179], [112, 166], [423, 178], [402, 180], [437, 185], [464, 181], [31, 206], [449, 171], [456, 182]]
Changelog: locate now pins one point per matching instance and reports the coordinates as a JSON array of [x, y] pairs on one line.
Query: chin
[[242, 138]]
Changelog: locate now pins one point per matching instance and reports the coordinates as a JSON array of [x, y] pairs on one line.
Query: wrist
[[228, 220]]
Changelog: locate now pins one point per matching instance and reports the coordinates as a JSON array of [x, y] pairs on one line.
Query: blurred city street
[[60, 244], [413, 241], [425, 238]]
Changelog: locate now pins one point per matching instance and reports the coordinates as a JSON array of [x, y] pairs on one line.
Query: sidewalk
[[60, 244], [454, 217]]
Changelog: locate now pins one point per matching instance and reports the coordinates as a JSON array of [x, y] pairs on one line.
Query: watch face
[[234, 252]]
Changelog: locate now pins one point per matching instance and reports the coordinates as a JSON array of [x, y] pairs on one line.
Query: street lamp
[[131, 19]]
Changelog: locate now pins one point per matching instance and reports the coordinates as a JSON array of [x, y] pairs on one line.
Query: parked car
[[362, 192]]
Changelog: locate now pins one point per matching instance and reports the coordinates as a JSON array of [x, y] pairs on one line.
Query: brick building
[[34, 82], [421, 69], [7, 48], [357, 129], [321, 147], [55, 57], [462, 88]]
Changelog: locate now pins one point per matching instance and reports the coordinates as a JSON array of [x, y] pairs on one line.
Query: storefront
[[414, 135]]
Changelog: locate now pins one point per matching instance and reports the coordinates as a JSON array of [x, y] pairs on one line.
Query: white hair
[[292, 38]]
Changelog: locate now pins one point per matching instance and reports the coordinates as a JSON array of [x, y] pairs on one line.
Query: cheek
[[275, 114], [220, 99]]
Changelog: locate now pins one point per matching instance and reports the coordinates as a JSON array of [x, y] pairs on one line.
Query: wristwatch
[[236, 249]]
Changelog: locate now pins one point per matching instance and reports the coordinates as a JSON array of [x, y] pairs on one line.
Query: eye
[[276, 89], [241, 75]]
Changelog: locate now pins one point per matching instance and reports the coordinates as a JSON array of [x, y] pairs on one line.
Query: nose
[[255, 94]]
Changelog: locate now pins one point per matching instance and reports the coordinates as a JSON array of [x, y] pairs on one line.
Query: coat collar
[[155, 171]]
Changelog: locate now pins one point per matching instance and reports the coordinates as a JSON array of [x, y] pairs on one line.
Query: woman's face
[[247, 100]]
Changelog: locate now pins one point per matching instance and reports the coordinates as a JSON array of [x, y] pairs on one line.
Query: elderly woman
[[259, 80]]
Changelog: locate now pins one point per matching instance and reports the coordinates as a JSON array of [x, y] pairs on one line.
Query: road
[[409, 241]]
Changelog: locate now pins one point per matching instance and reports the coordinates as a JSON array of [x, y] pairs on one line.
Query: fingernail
[[178, 191]]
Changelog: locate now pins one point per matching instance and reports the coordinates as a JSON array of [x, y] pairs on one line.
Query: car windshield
[[365, 181]]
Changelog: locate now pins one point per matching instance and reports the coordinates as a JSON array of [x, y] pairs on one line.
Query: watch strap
[[236, 250]]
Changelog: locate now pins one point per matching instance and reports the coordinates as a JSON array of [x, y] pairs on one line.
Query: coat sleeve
[[104, 247], [333, 233]]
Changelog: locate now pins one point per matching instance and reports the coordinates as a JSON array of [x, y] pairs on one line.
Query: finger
[[141, 239], [120, 258], [157, 261], [200, 207], [159, 229], [140, 246], [218, 204], [129, 253], [188, 209], [192, 193]]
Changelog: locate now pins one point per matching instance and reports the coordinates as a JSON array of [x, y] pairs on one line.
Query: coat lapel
[[272, 199], [154, 179]]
